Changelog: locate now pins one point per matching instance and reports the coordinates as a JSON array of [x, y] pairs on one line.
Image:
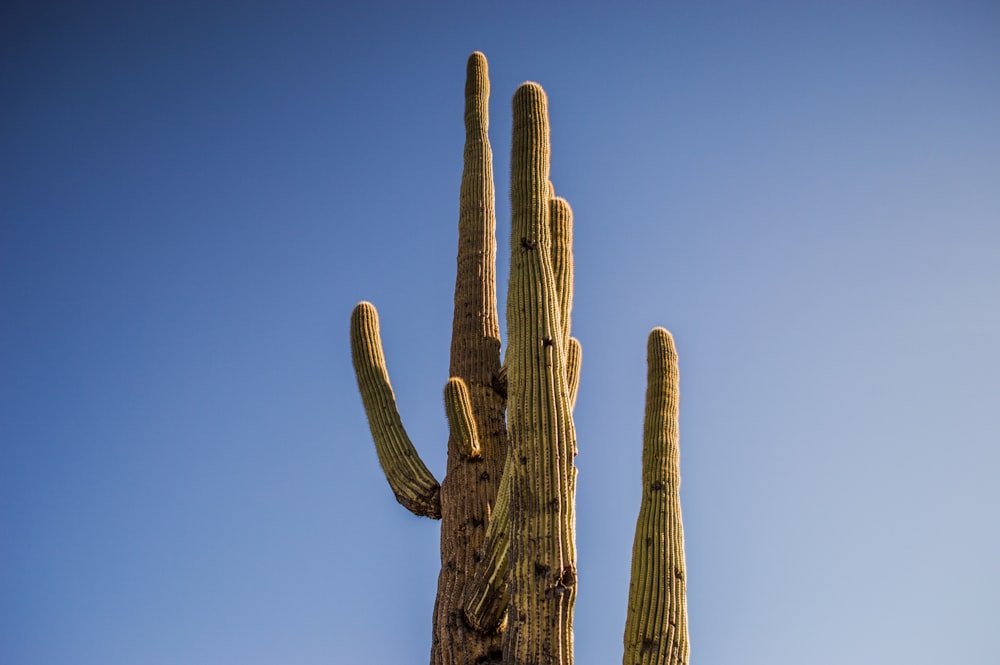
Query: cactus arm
[[475, 341], [561, 224], [486, 594], [656, 626], [414, 486], [461, 422], [542, 437], [574, 359]]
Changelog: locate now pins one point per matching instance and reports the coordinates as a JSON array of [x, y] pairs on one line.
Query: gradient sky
[[193, 196]]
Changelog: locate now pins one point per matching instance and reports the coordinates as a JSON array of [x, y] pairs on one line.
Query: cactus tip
[[363, 311], [476, 65], [530, 89], [660, 334]]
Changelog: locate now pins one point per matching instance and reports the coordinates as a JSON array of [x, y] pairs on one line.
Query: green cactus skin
[[539, 419], [656, 631], [411, 482]]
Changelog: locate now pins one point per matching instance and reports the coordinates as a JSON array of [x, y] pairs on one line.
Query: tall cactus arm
[[461, 422], [656, 631], [414, 486], [540, 424], [475, 341], [561, 224]]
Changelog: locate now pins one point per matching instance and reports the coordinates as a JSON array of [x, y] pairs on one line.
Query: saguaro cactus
[[656, 628], [507, 503]]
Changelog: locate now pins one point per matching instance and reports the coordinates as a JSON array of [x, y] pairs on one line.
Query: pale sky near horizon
[[193, 196]]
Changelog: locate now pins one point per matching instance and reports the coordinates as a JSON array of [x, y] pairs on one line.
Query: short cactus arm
[[656, 627], [461, 422], [414, 486]]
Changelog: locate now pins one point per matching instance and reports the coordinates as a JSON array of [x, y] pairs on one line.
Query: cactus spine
[[507, 503]]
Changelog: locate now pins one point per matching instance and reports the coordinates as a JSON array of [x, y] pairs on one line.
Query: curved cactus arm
[[656, 628], [414, 486], [540, 424], [574, 358], [485, 596], [461, 423]]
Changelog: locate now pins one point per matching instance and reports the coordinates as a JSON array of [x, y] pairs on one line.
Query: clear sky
[[193, 196]]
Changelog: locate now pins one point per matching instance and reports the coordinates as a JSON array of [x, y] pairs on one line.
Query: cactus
[[507, 503], [656, 627]]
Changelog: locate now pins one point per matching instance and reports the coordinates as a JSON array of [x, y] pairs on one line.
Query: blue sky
[[193, 196]]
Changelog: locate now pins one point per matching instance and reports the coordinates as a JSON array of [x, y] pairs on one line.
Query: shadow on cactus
[[507, 504]]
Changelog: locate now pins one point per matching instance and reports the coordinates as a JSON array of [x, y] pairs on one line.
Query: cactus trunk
[[542, 437], [470, 484], [656, 627]]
